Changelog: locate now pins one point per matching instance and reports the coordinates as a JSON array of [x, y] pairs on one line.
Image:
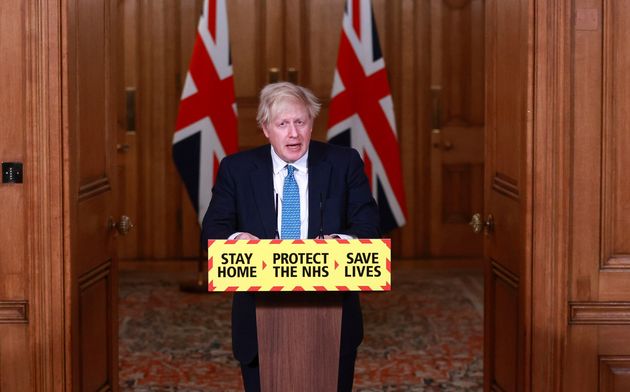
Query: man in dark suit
[[308, 179]]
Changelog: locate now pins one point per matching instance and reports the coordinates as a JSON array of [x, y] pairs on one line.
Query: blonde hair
[[275, 93]]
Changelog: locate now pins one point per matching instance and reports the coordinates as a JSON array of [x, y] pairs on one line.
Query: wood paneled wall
[[32, 295], [580, 259], [598, 341], [14, 269], [303, 35]]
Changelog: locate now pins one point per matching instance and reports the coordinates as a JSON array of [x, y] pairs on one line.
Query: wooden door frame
[[47, 198], [550, 186]]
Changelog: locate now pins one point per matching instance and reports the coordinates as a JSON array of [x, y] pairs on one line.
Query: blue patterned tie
[[290, 207]]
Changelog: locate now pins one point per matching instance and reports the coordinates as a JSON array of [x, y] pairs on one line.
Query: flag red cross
[[212, 18], [361, 95], [214, 99], [356, 17]]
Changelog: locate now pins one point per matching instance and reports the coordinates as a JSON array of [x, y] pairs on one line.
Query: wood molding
[[611, 169], [94, 276], [496, 388], [418, 234], [44, 195], [94, 188], [88, 285], [506, 186], [611, 369], [616, 262], [13, 312], [505, 275], [549, 252], [597, 313]]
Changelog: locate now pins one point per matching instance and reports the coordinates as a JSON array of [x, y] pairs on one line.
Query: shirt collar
[[278, 164]]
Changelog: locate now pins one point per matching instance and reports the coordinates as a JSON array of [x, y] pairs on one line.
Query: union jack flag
[[206, 128], [361, 112]]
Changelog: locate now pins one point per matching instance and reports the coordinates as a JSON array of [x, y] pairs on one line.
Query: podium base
[[298, 341]]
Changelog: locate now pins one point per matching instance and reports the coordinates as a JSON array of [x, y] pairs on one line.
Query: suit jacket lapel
[[261, 179], [318, 175]]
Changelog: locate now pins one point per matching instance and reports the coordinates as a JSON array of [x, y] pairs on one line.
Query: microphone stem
[[277, 235], [321, 216]]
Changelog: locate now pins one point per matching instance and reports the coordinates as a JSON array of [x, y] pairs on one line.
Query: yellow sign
[[299, 265]]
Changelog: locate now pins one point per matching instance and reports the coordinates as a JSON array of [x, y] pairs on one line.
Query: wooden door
[[282, 40], [598, 269], [457, 85], [92, 69], [507, 186], [157, 45]]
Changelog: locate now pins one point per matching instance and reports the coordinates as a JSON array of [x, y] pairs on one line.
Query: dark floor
[[424, 335]]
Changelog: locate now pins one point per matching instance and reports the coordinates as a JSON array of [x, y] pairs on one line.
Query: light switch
[[12, 172]]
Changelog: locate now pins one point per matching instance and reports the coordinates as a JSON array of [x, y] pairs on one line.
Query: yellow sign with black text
[[299, 265]]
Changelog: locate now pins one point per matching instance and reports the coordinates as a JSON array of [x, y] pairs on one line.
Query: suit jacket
[[243, 201]]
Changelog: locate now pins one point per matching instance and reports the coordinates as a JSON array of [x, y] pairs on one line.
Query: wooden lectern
[[299, 335]]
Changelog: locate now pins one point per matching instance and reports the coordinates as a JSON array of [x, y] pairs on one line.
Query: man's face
[[289, 130]]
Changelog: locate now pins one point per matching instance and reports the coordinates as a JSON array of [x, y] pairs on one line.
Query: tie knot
[[290, 169]]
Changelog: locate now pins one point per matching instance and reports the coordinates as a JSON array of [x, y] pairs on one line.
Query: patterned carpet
[[425, 335]]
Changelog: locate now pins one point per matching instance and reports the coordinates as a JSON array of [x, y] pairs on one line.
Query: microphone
[[276, 235], [321, 216]]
